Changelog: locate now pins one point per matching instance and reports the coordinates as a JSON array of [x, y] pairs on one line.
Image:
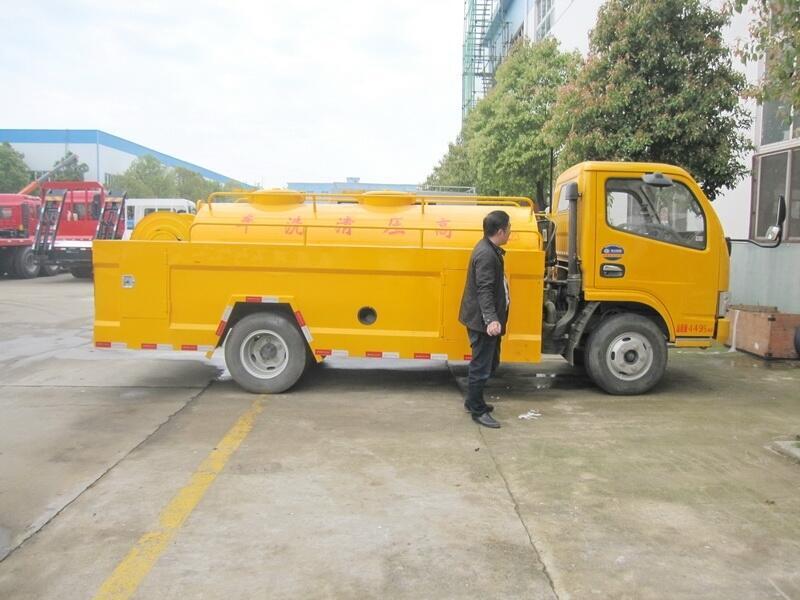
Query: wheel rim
[[629, 356], [29, 262], [264, 354]]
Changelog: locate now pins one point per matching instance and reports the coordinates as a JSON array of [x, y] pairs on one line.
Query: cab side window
[[668, 214], [563, 203]]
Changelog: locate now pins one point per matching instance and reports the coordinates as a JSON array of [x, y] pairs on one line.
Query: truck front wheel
[[265, 353], [626, 354], [26, 266]]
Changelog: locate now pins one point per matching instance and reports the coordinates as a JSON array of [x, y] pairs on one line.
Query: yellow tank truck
[[629, 259]]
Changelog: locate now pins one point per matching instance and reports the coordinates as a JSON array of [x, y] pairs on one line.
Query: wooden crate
[[763, 331]]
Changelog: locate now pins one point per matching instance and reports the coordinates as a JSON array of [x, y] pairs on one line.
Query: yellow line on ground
[[130, 573]]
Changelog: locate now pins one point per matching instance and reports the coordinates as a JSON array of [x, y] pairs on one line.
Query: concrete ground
[[369, 480]]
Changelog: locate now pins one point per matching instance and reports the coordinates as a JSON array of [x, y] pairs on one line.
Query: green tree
[[193, 186], [658, 85], [73, 172], [501, 148], [14, 173], [454, 169], [774, 37], [505, 130], [146, 177]]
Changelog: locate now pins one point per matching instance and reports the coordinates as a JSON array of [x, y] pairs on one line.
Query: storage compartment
[[763, 331]]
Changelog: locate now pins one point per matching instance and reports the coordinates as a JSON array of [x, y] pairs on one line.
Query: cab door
[[653, 245]]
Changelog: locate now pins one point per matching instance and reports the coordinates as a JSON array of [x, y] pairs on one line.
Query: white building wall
[[101, 160], [114, 162]]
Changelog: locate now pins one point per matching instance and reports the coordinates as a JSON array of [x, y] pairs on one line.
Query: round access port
[[367, 315]]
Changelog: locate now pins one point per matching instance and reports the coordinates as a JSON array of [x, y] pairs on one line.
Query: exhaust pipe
[[573, 274]]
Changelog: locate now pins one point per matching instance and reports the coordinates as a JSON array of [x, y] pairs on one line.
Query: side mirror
[[658, 180], [775, 232], [781, 212]]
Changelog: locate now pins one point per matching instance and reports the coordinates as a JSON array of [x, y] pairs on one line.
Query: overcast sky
[[266, 92]]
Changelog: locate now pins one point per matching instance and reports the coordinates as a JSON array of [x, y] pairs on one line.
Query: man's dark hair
[[495, 221]]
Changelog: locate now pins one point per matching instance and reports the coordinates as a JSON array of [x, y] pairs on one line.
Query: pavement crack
[[102, 475], [502, 475]]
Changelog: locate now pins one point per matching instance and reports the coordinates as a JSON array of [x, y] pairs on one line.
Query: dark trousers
[[485, 359]]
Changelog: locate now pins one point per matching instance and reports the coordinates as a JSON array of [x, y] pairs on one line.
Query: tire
[[6, 261], [48, 270], [265, 353], [25, 264], [81, 272], [578, 360], [626, 354]]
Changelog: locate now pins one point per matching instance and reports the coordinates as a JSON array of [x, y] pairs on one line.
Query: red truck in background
[[19, 216], [72, 215], [19, 220]]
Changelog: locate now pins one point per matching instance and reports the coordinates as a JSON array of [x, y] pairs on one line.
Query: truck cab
[[644, 249], [19, 214]]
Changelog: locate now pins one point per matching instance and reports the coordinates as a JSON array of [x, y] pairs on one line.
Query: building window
[[777, 123], [544, 18], [777, 175]]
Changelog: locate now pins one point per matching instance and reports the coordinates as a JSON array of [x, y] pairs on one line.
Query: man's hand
[[494, 328]]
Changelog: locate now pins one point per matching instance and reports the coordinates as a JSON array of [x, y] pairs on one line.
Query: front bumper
[[723, 330]]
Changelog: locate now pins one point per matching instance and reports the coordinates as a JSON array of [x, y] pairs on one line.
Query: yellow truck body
[[380, 275]]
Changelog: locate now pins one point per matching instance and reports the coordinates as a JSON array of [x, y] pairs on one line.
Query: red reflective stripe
[[422, 355], [253, 299], [373, 354], [468, 357], [299, 316], [323, 352], [189, 347], [221, 327], [103, 344], [149, 346]]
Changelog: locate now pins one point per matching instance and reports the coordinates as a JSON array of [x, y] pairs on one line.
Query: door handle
[[612, 271]]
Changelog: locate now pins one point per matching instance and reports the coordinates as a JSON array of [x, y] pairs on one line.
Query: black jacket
[[484, 298]]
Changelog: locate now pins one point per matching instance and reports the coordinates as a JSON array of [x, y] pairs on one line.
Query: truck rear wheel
[[265, 353], [26, 266], [626, 354], [81, 272], [48, 270]]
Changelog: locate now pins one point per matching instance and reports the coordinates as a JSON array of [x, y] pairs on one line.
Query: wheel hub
[[629, 356], [264, 354]]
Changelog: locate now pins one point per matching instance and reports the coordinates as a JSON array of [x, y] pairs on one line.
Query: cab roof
[[625, 167]]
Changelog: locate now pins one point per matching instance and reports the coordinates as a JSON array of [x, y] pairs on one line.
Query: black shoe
[[489, 407], [486, 420]]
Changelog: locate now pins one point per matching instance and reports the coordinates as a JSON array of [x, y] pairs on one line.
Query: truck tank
[[395, 219]]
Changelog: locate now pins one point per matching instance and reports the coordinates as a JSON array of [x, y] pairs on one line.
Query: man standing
[[484, 311]]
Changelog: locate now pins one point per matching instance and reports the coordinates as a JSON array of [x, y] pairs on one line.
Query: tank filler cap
[[275, 197], [387, 198]]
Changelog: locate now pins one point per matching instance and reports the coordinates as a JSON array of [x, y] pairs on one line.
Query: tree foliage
[[501, 149], [146, 177], [73, 172], [193, 186], [14, 173], [658, 85], [774, 37], [454, 169]]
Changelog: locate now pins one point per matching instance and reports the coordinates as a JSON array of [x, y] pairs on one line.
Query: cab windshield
[[668, 214]]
